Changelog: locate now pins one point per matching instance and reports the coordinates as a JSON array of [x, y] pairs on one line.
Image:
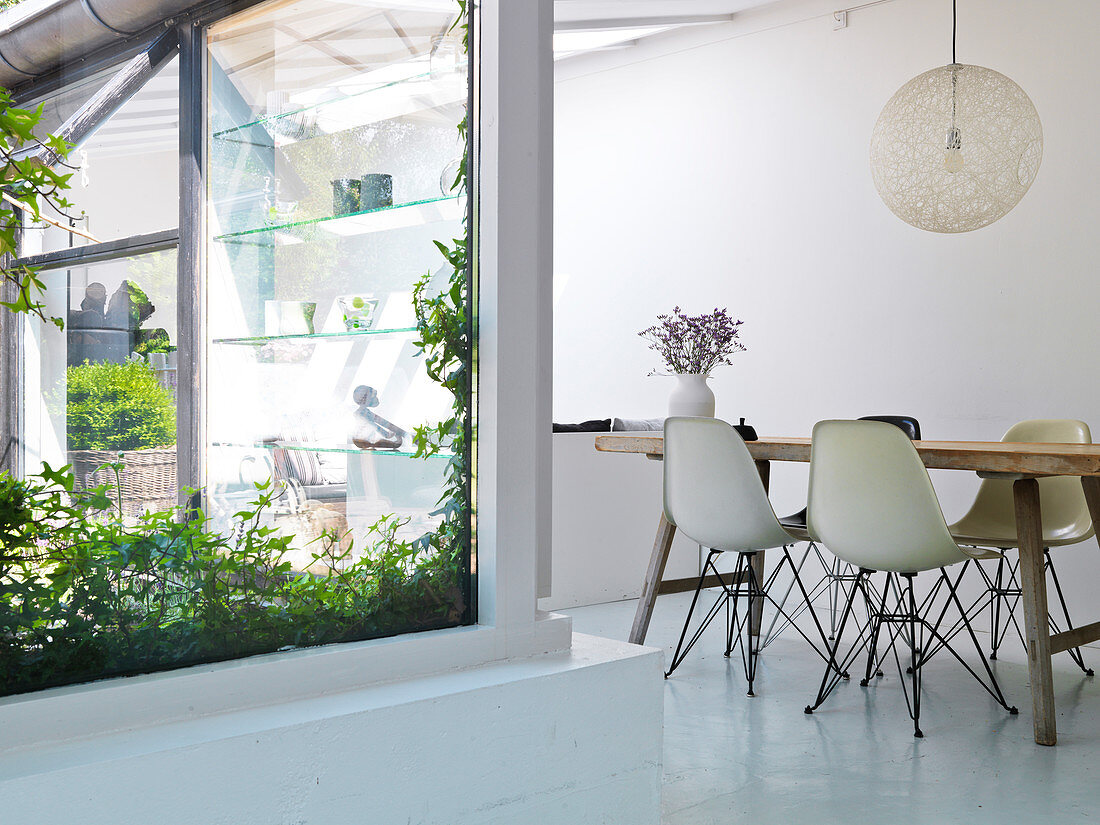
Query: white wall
[[735, 173], [606, 509]]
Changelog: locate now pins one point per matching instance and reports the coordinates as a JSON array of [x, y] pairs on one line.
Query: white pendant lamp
[[956, 148]]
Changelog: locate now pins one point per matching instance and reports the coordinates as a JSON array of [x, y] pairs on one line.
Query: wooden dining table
[[1023, 463]]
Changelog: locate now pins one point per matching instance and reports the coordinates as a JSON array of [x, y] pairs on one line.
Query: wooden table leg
[[657, 560], [1091, 486], [757, 618], [1033, 583]]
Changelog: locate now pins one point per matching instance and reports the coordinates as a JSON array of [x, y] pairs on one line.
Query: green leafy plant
[[34, 179], [86, 595], [116, 407], [445, 324], [153, 340]]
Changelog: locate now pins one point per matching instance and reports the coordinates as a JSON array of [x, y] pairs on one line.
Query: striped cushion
[[297, 465]]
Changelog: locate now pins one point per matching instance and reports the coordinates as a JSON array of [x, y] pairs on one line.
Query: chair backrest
[[1066, 518], [906, 423], [713, 491], [871, 501]]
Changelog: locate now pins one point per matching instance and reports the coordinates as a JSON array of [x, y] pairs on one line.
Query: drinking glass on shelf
[[446, 56]]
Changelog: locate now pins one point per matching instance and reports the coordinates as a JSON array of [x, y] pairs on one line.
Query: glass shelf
[[299, 446], [385, 94], [398, 216], [260, 340]]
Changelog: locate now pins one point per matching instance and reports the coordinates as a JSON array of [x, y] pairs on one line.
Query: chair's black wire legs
[[835, 583], [913, 651], [993, 688], [998, 595], [740, 597], [749, 651], [1075, 652], [1006, 594], [876, 630], [964, 616], [835, 669], [909, 624], [810, 609], [755, 592], [772, 633], [731, 618], [681, 650]]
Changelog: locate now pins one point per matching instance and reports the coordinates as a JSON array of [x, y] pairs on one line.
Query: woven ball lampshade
[[956, 148]]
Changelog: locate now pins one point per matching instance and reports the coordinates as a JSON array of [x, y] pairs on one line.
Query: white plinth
[[571, 737]]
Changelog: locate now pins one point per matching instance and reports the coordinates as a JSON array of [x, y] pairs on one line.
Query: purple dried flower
[[694, 344]]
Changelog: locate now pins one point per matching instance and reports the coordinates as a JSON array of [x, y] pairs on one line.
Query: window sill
[[79, 712]]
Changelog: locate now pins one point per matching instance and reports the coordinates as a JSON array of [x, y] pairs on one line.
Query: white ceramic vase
[[691, 396]]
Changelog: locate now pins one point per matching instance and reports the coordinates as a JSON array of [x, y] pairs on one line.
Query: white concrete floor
[[731, 758]]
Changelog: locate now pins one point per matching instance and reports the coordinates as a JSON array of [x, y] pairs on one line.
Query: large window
[[334, 155], [126, 173], [301, 353], [106, 384]]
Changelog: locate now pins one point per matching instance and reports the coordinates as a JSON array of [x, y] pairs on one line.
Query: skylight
[[569, 43]]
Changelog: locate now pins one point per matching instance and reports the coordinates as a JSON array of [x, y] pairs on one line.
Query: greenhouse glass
[[334, 155], [299, 350]]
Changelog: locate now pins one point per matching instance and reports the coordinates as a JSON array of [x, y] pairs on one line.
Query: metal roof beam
[[119, 89]]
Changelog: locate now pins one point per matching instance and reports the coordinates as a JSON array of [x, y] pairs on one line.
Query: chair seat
[[978, 552], [964, 533], [797, 533], [797, 520], [795, 524]]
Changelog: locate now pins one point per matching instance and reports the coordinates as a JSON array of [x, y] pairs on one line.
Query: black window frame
[[141, 55]]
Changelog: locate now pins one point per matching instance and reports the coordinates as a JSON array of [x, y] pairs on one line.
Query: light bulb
[[953, 161]]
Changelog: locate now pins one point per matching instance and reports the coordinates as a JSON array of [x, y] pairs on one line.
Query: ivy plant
[[33, 189], [86, 594], [445, 325]]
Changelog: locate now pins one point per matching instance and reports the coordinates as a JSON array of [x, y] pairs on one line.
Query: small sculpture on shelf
[[372, 431]]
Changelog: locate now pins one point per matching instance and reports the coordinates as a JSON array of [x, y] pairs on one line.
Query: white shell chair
[[714, 495], [872, 504], [991, 522]]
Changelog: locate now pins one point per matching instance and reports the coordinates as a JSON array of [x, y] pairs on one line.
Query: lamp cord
[[954, 27]]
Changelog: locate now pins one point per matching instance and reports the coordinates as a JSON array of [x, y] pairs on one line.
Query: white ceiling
[[631, 12]]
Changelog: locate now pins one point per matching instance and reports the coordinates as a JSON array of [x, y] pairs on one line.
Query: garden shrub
[[118, 407]]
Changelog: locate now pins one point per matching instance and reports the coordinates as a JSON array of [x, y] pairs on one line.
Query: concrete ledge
[[559, 738]]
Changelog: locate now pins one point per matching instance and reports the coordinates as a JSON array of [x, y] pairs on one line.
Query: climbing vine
[[445, 322], [31, 188]]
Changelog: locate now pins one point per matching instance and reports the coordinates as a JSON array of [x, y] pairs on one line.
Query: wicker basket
[[309, 530], [148, 477]]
